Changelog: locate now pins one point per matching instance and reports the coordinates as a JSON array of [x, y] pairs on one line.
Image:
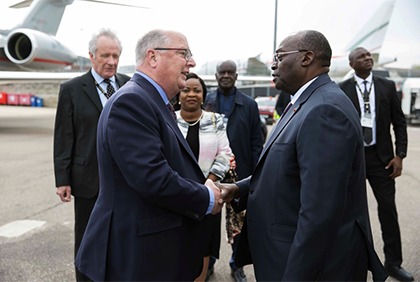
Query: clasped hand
[[223, 193]]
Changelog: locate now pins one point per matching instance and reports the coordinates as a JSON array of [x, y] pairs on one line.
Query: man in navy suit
[[80, 103], [307, 214], [147, 223], [381, 109]]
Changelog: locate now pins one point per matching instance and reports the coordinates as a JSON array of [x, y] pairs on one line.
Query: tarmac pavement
[[45, 253]]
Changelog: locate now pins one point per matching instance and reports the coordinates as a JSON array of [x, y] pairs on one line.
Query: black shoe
[[399, 273], [239, 275]]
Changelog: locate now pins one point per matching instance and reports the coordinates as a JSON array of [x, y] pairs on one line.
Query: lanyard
[[360, 90], [365, 97], [100, 88]]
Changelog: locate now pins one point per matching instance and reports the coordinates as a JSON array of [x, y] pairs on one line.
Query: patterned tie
[[109, 89], [171, 109], [367, 131]]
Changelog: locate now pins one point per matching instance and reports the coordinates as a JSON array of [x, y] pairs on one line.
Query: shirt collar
[[360, 80], [100, 79], [300, 91], [230, 93]]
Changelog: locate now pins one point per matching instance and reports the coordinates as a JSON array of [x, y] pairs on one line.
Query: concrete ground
[[46, 252]]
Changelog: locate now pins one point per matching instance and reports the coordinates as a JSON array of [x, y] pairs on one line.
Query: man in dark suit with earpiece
[[379, 107]]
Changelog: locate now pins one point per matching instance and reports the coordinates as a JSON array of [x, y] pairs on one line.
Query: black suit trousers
[[82, 210], [383, 188]]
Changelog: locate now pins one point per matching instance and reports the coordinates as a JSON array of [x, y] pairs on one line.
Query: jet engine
[[36, 51]]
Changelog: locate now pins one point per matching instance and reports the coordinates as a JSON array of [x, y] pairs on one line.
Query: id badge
[[367, 120]]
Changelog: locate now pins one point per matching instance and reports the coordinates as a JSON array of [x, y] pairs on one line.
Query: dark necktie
[[109, 89], [367, 131], [171, 109]]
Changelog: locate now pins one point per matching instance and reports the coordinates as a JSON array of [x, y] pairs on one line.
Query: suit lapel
[[120, 80], [352, 94], [155, 96], [378, 97], [90, 90], [279, 127], [321, 80]]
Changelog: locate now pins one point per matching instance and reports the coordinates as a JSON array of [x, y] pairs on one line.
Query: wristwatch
[[402, 155]]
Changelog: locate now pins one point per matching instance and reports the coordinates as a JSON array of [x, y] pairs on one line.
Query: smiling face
[[191, 97]]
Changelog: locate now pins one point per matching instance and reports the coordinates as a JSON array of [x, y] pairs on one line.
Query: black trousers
[[384, 190], [82, 210]]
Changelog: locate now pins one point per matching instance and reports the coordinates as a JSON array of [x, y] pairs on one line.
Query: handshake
[[223, 193]]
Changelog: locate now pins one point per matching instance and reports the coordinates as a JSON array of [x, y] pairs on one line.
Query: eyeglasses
[[186, 53], [278, 55]]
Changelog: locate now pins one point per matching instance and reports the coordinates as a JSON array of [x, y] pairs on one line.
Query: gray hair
[[103, 32], [153, 39]]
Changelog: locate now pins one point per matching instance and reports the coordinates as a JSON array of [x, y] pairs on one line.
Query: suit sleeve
[[326, 144], [398, 121], [63, 138], [244, 187], [146, 151]]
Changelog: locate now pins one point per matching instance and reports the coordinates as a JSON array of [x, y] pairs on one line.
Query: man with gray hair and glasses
[[149, 220]]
